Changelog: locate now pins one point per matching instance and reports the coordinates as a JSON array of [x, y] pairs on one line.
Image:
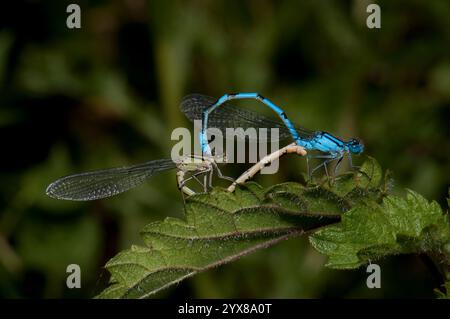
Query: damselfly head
[[355, 146]]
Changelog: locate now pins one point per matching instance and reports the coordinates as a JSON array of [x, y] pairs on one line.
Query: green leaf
[[371, 230], [220, 227], [334, 196]]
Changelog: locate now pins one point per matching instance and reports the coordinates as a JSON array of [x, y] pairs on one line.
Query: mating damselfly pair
[[219, 114]]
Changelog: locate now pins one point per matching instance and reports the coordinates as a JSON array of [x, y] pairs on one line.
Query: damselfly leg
[[327, 159], [219, 173], [200, 165], [357, 168], [183, 180], [338, 163]]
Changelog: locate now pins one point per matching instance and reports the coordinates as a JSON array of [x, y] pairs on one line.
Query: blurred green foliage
[[107, 94]]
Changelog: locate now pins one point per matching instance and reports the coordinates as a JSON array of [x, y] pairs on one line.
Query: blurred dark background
[[108, 95]]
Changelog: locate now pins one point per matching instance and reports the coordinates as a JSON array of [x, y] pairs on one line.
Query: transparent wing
[[105, 183], [231, 116]]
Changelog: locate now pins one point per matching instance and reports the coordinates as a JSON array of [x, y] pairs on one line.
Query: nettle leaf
[[370, 231], [220, 227]]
